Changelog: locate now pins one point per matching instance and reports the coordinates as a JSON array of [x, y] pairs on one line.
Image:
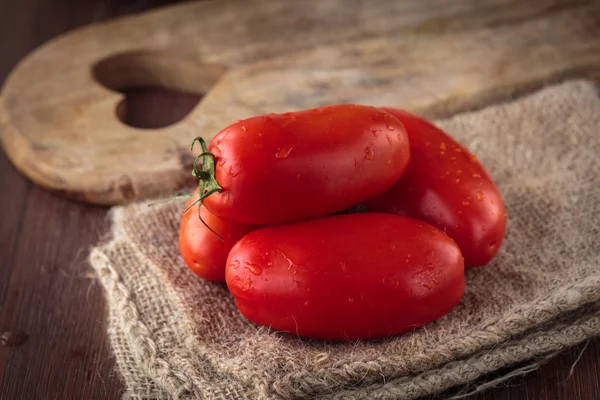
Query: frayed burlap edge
[[159, 379]]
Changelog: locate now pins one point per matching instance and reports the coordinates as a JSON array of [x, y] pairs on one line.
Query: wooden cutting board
[[59, 107]]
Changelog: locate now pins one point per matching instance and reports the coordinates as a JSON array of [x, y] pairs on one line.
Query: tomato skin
[[346, 277], [447, 187], [203, 252], [287, 167]]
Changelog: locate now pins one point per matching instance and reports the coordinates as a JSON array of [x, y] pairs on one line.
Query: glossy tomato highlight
[[446, 186], [286, 167], [346, 277], [202, 250]]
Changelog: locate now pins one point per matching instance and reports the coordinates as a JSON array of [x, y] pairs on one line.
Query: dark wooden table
[[46, 290]]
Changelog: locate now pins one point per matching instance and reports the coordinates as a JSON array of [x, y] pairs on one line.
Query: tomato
[[446, 186], [287, 167], [346, 277], [202, 250]]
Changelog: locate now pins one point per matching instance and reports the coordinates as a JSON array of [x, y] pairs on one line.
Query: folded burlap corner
[[176, 336]]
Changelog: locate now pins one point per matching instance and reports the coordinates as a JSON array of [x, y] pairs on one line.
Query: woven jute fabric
[[176, 336]]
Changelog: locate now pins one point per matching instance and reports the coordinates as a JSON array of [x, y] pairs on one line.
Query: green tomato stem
[[208, 184]]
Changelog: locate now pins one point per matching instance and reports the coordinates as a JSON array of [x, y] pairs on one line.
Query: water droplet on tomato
[[457, 180], [233, 172], [374, 131], [260, 134], [306, 303], [242, 282], [480, 196], [442, 146], [284, 153], [350, 300], [458, 149], [343, 265], [244, 128], [290, 262], [253, 268], [465, 202], [270, 263], [391, 127], [369, 153], [476, 176], [492, 243]]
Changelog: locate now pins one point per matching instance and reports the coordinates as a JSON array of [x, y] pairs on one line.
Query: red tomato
[[202, 250], [446, 186], [286, 167], [346, 277]]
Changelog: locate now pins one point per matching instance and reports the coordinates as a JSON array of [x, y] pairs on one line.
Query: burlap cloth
[[176, 336]]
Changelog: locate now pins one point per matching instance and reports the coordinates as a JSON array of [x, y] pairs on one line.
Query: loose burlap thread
[[176, 336]]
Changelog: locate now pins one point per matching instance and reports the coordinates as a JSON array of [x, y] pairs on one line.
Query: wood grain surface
[[60, 107], [46, 290]]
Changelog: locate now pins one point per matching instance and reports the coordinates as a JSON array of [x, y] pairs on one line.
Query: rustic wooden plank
[[44, 287], [66, 355], [53, 299], [13, 208], [436, 58]]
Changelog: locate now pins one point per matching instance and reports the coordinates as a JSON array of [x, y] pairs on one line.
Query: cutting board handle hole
[[159, 88], [153, 107]]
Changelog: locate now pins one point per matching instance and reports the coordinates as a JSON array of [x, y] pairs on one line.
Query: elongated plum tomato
[[203, 252], [287, 167], [446, 186], [346, 277]]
